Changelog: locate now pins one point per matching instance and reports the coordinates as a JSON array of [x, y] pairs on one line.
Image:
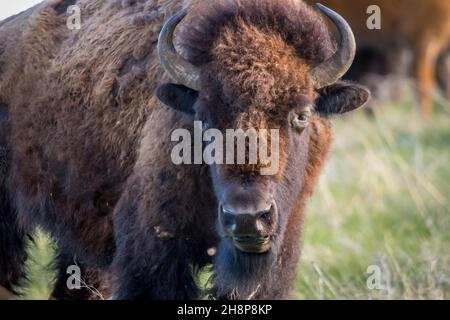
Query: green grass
[[39, 271], [382, 200]]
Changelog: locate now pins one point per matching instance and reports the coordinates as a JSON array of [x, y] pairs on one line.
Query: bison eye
[[301, 120]]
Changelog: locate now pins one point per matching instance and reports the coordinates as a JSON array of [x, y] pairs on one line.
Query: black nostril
[[244, 225]]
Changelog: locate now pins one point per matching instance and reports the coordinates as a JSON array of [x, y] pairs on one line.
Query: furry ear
[[177, 96], [341, 97]]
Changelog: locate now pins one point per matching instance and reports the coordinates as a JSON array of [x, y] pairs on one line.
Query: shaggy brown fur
[[5, 294], [88, 143]]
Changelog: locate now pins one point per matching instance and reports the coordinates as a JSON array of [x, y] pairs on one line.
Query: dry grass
[[383, 200]]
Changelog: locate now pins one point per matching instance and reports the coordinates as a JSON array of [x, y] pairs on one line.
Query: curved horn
[[175, 65], [332, 69]]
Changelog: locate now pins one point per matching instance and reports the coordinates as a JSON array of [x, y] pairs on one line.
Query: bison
[[86, 127], [419, 27]]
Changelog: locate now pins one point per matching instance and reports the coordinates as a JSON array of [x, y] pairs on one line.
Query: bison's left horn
[[332, 69], [175, 65]]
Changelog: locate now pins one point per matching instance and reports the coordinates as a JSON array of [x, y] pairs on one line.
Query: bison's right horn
[[332, 69], [175, 65]]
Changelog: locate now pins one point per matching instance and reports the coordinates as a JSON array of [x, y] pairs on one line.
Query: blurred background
[[382, 206]]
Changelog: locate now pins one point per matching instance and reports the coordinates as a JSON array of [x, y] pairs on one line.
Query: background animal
[[88, 143], [413, 39]]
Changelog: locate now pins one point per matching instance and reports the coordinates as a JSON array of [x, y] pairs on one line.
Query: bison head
[[247, 70]]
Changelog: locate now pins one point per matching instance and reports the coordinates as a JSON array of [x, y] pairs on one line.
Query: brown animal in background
[[88, 143], [422, 26]]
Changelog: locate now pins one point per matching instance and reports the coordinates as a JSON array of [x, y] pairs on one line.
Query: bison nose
[[250, 231], [245, 224]]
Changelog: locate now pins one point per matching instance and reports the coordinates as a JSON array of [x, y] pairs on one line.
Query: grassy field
[[383, 202]]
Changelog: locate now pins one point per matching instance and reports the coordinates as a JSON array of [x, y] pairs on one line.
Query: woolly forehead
[[299, 25], [258, 52], [254, 68]]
